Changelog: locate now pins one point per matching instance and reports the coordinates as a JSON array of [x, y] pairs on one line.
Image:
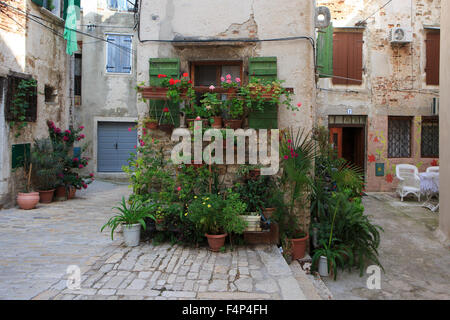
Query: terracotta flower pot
[[267, 212], [233, 123], [216, 241], [60, 193], [27, 201], [71, 193], [299, 247], [151, 125], [46, 196], [190, 122], [217, 124], [167, 128]]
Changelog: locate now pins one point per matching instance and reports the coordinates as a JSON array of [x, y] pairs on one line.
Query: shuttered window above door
[[119, 53], [347, 58], [433, 56]]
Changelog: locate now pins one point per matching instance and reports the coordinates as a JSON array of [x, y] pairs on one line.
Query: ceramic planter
[[167, 128], [60, 193], [151, 125], [27, 201], [216, 241], [253, 223], [299, 247], [131, 234], [233, 123], [217, 122], [267, 212], [46, 196]]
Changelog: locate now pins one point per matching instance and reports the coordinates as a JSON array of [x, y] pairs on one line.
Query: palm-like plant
[[298, 151], [134, 213]]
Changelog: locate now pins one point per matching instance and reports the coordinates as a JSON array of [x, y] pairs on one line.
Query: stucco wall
[[32, 49], [262, 19], [104, 97], [393, 78], [444, 125]]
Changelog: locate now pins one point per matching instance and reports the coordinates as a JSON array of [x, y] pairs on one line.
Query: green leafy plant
[[212, 103], [20, 104], [134, 213], [47, 163]]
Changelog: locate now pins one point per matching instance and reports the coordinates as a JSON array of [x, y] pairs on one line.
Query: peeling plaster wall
[[393, 78], [40, 53], [260, 19], [104, 96]]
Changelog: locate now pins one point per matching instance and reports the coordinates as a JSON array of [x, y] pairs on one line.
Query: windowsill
[[52, 16]]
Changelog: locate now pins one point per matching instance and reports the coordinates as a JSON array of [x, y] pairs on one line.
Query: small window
[[50, 94], [206, 73], [433, 56], [121, 5], [77, 78], [347, 58], [119, 53], [399, 137], [28, 96], [430, 137]]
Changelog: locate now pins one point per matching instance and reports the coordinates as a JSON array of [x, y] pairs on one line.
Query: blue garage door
[[115, 143]]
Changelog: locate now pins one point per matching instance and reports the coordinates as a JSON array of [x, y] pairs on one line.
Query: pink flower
[[129, 129], [82, 136], [67, 131], [58, 130], [286, 157], [81, 127], [198, 118], [66, 138], [222, 79], [80, 166], [135, 146], [75, 159], [179, 188], [211, 87], [142, 143], [60, 175], [228, 81], [91, 175], [289, 141], [228, 76], [84, 185], [299, 104], [238, 80]]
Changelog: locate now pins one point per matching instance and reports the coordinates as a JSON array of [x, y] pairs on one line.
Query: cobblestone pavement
[[37, 246], [417, 265]]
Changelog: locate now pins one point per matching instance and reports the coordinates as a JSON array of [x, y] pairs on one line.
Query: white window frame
[[106, 53], [116, 9]]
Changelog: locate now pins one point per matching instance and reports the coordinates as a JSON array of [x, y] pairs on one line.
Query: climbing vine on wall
[[20, 104]]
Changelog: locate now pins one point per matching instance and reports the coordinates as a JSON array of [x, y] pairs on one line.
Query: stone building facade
[[383, 117], [29, 50]]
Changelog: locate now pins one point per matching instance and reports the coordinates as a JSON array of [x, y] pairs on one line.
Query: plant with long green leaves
[[298, 151], [130, 213]]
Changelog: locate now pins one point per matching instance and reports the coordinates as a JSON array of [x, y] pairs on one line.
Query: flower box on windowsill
[[159, 93]]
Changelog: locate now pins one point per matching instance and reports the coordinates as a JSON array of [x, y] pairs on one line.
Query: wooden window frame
[[410, 119], [118, 48], [31, 116], [350, 59], [432, 62], [217, 63], [428, 119]]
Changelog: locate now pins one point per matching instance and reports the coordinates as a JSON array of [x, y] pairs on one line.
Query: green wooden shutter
[[171, 68], [264, 68], [38, 2], [20, 154], [325, 52], [66, 4]]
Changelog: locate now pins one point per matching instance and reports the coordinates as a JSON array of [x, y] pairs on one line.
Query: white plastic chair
[[408, 175], [433, 169]]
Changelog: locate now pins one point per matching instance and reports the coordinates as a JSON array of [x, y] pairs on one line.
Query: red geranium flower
[[166, 109], [161, 76], [371, 158], [185, 74], [434, 163], [171, 81]]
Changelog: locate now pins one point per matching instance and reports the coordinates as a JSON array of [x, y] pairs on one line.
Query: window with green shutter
[[20, 155], [324, 51], [264, 68], [171, 68]]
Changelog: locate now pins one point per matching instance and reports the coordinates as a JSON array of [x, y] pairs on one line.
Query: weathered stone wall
[[29, 48], [393, 78]]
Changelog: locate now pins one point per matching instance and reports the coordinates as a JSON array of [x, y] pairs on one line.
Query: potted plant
[[131, 217], [166, 122], [234, 108], [150, 123], [27, 200], [297, 150], [214, 106], [216, 217], [47, 163]]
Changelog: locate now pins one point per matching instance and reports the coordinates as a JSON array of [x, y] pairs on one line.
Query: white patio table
[[429, 185]]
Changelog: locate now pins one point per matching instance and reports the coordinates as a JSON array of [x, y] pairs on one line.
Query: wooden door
[[336, 140]]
